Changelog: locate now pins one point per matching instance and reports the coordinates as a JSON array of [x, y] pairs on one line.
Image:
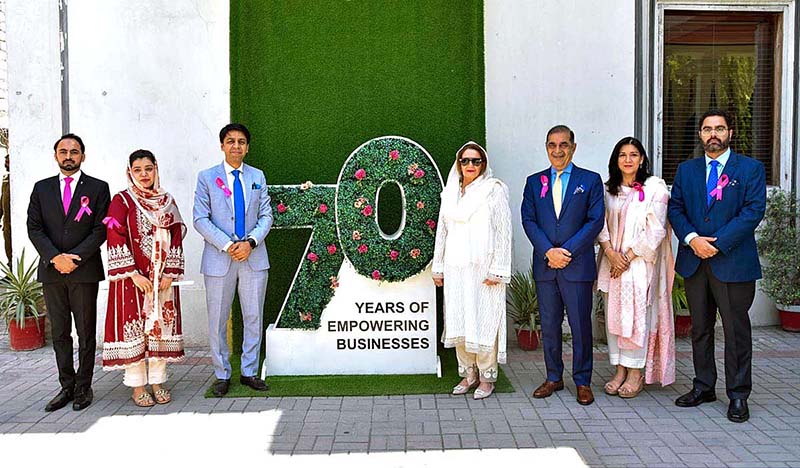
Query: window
[[728, 60]]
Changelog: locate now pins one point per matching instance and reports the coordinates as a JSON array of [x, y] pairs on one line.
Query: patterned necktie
[[67, 198], [238, 204], [557, 193], [713, 178]]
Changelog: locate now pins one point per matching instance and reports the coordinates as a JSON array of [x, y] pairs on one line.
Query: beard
[[69, 165], [716, 145]]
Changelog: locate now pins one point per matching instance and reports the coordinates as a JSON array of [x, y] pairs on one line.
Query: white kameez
[[473, 243]]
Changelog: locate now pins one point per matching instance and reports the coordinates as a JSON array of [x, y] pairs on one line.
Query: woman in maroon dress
[[145, 255]]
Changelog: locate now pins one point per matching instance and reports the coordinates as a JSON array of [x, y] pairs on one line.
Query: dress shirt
[[564, 178], [229, 176]]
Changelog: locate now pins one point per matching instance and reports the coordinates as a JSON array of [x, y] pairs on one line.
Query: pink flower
[[376, 275], [412, 168], [414, 253], [332, 249], [360, 174], [362, 249], [420, 205], [394, 154], [356, 235], [367, 211], [431, 223], [323, 208], [312, 257], [419, 173], [394, 254], [281, 208]]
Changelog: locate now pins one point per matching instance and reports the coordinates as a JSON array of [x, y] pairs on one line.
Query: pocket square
[[734, 183], [578, 190], [256, 186]]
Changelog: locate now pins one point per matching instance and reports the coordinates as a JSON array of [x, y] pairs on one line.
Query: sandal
[[145, 400], [625, 390], [612, 386], [480, 394], [162, 396], [461, 389]]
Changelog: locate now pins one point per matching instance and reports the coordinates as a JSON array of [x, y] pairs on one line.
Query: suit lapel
[[75, 204], [548, 197], [222, 175], [247, 180], [573, 182]]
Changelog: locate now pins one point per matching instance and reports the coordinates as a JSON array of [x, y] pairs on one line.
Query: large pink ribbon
[[717, 192], [111, 222], [545, 183], [84, 208], [225, 189], [638, 187]]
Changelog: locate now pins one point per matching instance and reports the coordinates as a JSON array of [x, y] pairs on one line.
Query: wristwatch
[[252, 242]]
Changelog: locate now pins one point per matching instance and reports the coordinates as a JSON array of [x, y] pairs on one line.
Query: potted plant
[[22, 305], [680, 307], [523, 309], [779, 247]]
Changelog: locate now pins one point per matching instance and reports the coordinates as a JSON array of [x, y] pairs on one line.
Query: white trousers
[[485, 363], [137, 375]]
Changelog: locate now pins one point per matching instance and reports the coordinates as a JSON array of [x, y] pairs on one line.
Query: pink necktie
[[67, 194]]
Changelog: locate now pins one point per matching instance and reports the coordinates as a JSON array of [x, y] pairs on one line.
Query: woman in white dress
[[472, 260]]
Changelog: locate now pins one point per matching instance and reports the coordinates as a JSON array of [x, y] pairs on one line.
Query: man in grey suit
[[233, 214]]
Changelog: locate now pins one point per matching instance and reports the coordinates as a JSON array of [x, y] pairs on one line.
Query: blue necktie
[[238, 204], [713, 178]]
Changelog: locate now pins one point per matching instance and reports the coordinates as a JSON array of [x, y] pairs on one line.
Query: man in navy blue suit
[[716, 204], [562, 213]]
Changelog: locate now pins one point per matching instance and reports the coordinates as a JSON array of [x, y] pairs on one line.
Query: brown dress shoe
[[547, 388], [585, 396]]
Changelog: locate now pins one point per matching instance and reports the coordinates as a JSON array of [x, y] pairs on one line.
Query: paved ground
[[414, 430]]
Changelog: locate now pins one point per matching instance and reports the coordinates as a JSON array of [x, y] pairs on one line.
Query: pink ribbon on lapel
[[84, 208], [111, 222], [225, 189], [638, 187], [717, 192], [545, 184]]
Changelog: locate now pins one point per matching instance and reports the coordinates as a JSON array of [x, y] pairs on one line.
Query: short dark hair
[[141, 154], [70, 136], [716, 113], [561, 129], [231, 127], [615, 174]]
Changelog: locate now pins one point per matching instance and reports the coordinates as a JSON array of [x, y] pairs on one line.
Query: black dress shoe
[[60, 400], [695, 398], [254, 382], [83, 398], [737, 410], [220, 387]]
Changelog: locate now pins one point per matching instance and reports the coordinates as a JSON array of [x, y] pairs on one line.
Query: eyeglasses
[[475, 161], [706, 131]]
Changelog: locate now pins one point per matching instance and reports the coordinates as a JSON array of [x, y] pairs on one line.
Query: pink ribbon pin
[[225, 189], [545, 183], [111, 222], [84, 208], [638, 187], [717, 192]]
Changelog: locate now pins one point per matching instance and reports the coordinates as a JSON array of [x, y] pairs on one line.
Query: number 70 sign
[[367, 282]]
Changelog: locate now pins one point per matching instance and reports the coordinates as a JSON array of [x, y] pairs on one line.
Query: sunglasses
[[475, 161]]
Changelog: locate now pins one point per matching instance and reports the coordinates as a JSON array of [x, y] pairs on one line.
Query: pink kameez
[[639, 302]]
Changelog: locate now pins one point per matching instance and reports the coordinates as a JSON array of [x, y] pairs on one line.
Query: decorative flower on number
[[312, 257], [281, 208], [394, 154], [322, 208], [331, 249], [360, 174]]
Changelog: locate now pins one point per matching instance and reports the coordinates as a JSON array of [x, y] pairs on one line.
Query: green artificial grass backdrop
[[359, 385], [314, 79]]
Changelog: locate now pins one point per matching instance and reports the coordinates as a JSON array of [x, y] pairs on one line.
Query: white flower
[[306, 185]]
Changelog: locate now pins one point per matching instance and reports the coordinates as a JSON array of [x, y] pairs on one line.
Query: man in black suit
[[65, 225]]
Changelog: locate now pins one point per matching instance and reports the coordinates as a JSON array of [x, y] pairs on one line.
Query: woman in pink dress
[[145, 255], [635, 273]]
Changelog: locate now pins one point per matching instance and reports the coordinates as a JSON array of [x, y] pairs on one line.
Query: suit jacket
[[581, 219], [732, 220], [53, 233], [214, 218]]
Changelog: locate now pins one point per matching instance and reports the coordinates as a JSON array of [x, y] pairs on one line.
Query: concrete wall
[[146, 74]]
